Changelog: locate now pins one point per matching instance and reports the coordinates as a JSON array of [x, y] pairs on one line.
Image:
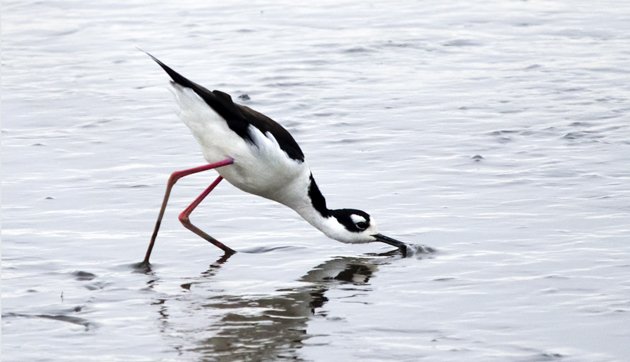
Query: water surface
[[496, 133]]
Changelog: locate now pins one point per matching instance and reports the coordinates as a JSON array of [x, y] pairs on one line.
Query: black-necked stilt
[[259, 156]]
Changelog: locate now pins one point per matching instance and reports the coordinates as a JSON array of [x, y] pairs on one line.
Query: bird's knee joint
[[173, 178], [184, 219]]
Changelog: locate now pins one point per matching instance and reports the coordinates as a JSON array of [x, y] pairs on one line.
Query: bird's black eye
[[362, 225]]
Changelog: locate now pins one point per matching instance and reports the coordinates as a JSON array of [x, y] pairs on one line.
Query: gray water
[[496, 133]]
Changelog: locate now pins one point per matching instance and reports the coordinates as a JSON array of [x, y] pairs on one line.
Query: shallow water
[[497, 134]]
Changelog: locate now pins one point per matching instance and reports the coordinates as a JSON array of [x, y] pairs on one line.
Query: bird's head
[[356, 226]]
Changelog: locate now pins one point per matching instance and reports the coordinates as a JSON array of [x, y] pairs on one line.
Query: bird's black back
[[238, 117]]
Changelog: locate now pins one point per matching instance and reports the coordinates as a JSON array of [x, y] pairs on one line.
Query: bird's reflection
[[273, 327]]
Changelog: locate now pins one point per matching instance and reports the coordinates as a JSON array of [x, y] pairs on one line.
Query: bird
[[257, 155]]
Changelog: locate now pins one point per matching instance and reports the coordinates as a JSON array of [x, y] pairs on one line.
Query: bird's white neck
[[303, 196]]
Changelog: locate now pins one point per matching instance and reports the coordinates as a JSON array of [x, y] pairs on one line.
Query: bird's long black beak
[[393, 242]]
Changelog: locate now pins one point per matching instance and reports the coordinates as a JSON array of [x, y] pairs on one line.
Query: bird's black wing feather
[[238, 117]]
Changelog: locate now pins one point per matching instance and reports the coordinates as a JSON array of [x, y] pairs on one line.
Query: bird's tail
[[176, 77]]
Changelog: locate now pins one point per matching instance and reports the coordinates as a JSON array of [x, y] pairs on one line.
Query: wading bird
[[257, 155]]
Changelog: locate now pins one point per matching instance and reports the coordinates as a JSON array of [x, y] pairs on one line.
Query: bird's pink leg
[[184, 218], [171, 182]]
